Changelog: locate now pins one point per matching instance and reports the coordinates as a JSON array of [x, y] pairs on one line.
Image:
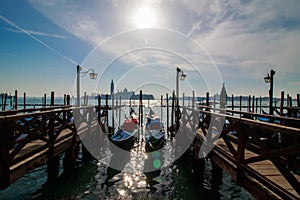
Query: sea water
[[96, 180]]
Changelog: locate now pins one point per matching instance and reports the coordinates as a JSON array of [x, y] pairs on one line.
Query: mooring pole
[[167, 99]]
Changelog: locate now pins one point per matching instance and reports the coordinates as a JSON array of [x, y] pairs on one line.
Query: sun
[[145, 18]]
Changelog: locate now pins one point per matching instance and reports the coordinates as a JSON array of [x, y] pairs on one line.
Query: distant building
[[125, 94]]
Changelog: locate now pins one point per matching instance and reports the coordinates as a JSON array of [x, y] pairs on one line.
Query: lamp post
[[269, 79], [179, 76], [80, 73]]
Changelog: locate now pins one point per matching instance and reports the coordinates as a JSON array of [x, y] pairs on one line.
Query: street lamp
[[269, 79], [80, 73], [179, 76]]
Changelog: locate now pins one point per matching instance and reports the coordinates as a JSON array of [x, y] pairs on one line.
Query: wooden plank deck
[[266, 168], [35, 153]]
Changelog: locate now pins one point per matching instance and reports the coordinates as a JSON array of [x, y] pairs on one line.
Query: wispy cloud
[[35, 33]]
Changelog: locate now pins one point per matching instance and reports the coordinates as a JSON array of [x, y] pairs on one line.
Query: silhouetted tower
[[223, 97], [112, 87]]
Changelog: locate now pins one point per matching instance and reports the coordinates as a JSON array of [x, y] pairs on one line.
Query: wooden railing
[[245, 142], [33, 136]]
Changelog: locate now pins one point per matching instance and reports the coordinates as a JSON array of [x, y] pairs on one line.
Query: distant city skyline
[[140, 43]]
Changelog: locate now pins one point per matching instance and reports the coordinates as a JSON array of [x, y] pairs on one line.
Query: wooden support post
[[45, 100], [106, 108], [53, 161], [240, 156], [86, 155], [5, 101], [249, 103], [120, 103], [52, 99], [68, 100], [16, 99], [217, 175], [287, 100], [193, 100], [99, 109], [24, 101], [281, 103], [11, 100], [141, 108], [172, 115], [198, 164], [167, 99], [4, 155], [260, 106], [240, 104], [71, 156], [161, 107], [298, 100], [232, 104], [207, 100], [215, 102], [1, 101], [256, 105], [253, 100]]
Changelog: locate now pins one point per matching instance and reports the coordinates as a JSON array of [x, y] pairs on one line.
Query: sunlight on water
[[96, 180]]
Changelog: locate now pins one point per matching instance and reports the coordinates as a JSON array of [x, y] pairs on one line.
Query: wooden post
[[1, 101], [260, 106], [232, 104], [287, 100], [198, 164], [253, 100], [5, 99], [106, 108], [11, 101], [298, 100], [256, 104], [193, 100], [167, 99], [215, 102], [249, 103], [53, 161], [281, 103], [84, 99], [4, 155], [68, 100], [172, 114], [24, 100], [99, 108], [291, 101], [161, 107], [45, 100], [207, 100], [16, 99], [52, 99], [141, 108], [120, 111], [240, 156], [240, 104], [217, 175]]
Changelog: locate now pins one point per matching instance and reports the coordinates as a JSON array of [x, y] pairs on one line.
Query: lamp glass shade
[[93, 75]]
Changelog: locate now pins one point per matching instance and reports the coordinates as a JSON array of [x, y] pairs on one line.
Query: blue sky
[[140, 43]]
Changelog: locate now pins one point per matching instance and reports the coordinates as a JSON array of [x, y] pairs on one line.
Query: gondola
[[155, 133]]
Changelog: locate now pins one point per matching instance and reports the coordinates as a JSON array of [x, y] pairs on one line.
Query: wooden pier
[[263, 157]]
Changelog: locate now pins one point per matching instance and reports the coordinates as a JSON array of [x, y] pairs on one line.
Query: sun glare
[[144, 18]]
